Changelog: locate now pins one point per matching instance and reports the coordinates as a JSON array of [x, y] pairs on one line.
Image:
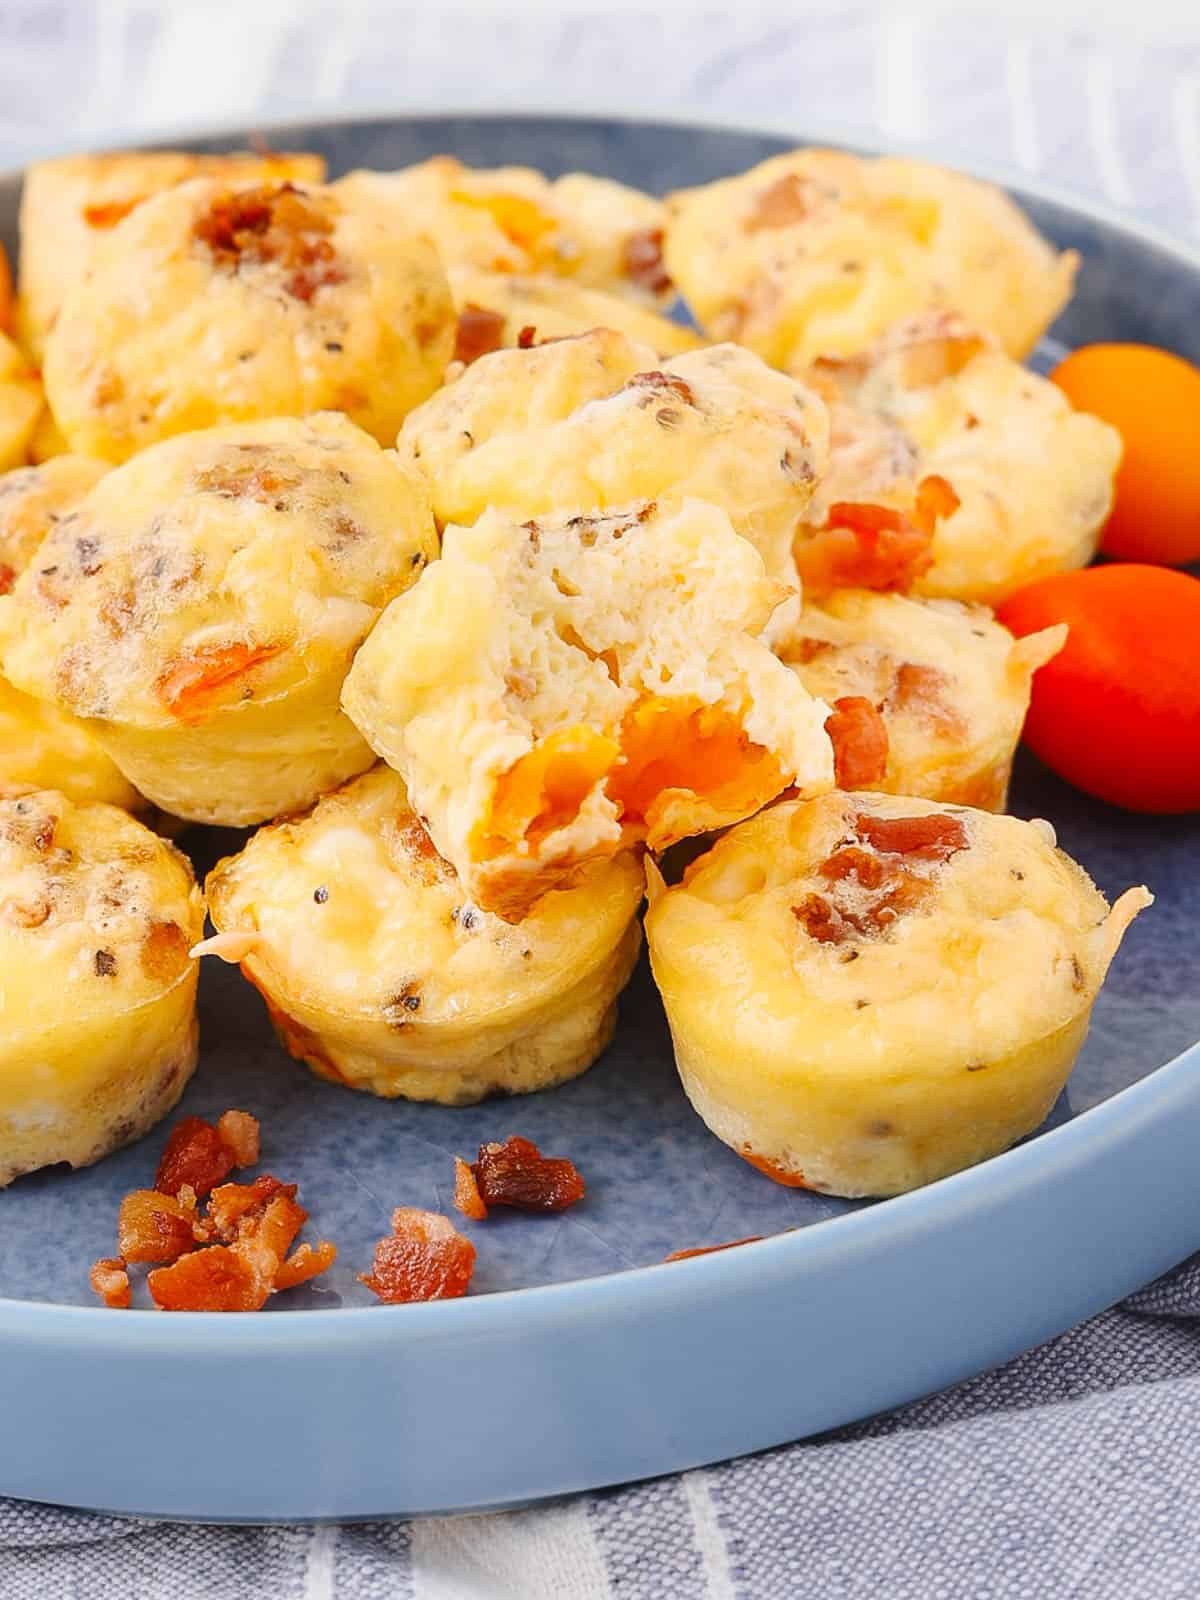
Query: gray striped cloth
[[1072, 1472]]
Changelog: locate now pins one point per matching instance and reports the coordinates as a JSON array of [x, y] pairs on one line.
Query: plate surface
[[598, 1373]]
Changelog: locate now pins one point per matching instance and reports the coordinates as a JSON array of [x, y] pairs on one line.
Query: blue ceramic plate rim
[[1047, 1157]]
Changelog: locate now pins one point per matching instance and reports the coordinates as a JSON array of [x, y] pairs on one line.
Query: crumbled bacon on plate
[[467, 1197], [245, 1233], [423, 1258], [711, 1249], [517, 1174], [203, 1156], [111, 1282]]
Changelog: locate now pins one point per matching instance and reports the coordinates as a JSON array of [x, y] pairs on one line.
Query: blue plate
[[579, 1360]]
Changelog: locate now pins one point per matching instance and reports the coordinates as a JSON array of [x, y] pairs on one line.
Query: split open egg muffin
[[200, 607], [555, 690], [97, 1025], [380, 972], [867, 993]]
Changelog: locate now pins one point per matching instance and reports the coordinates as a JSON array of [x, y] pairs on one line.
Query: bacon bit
[[8, 577], [517, 1174], [190, 682], [202, 1156], [272, 224], [935, 836], [823, 921], [860, 742], [196, 1155], [152, 1226], [214, 1279], [424, 1258], [467, 1197], [232, 1203], [480, 331], [643, 260], [922, 689], [779, 205], [259, 1223], [526, 337], [246, 480], [306, 1261], [850, 861], [863, 546], [164, 951], [111, 1282], [654, 383], [239, 1133], [711, 1249]]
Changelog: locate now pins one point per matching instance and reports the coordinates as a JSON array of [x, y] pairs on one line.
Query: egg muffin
[[210, 304], [596, 422], [954, 472], [202, 605], [70, 205], [514, 219], [867, 993], [98, 993], [21, 405], [497, 310], [380, 973], [818, 251], [42, 747], [929, 695], [558, 689]]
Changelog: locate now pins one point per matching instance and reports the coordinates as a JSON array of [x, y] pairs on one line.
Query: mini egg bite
[[97, 991], [589, 229], [817, 252], [499, 310], [211, 304], [70, 205], [555, 690], [929, 696], [380, 973], [954, 472], [42, 747], [596, 422], [867, 993], [200, 607], [22, 405]]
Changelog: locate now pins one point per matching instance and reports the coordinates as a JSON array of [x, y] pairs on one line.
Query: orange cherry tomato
[[1117, 712], [1152, 399]]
